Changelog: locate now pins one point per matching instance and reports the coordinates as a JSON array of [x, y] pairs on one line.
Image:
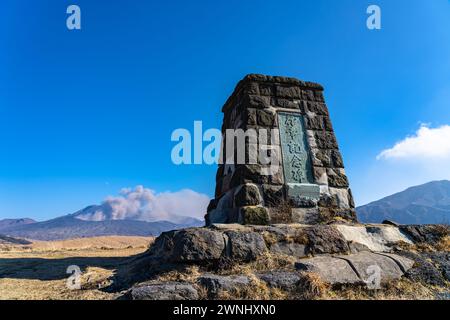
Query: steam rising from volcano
[[145, 204]]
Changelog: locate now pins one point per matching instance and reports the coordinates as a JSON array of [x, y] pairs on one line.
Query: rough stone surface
[[164, 291], [254, 215], [326, 239], [292, 249], [432, 268], [285, 280], [245, 246], [331, 270], [362, 262], [216, 284], [189, 245], [374, 237], [354, 268], [426, 233], [248, 195]]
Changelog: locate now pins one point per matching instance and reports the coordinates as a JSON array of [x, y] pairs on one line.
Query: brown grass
[[38, 271], [442, 245], [311, 287], [402, 289], [256, 290], [265, 262]]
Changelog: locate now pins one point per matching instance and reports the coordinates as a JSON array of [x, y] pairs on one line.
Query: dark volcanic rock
[[164, 291], [248, 195], [245, 246], [285, 280], [289, 248], [325, 239], [431, 268], [216, 284], [255, 215], [426, 233], [189, 245]]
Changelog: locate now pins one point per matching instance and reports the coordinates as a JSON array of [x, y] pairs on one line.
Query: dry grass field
[[39, 270]]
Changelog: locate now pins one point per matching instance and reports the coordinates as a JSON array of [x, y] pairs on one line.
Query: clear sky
[[85, 113]]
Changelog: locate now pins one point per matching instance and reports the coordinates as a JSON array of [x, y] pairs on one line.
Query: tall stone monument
[[309, 185]]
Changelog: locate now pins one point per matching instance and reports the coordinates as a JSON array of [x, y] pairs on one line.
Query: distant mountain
[[7, 223], [72, 226], [425, 204]]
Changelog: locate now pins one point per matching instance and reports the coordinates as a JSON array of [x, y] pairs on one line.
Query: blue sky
[[85, 113]]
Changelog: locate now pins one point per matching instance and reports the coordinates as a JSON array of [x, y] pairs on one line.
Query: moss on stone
[[255, 215]]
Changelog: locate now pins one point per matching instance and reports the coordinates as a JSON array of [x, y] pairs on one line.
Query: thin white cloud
[[427, 144], [145, 204]]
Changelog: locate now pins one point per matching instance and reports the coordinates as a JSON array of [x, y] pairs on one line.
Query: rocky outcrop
[[164, 291], [361, 268], [285, 280], [330, 269], [337, 254], [216, 284]]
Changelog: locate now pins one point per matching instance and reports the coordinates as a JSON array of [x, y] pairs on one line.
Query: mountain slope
[[8, 223], [68, 227], [427, 203]]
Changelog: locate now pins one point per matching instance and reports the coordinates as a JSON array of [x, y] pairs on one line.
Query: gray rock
[[355, 268], [248, 195], [285, 280], [289, 248], [404, 263], [356, 247], [364, 261], [216, 284], [326, 239], [245, 246], [432, 268], [331, 270], [198, 244], [379, 238], [189, 245], [431, 233], [164, 291]]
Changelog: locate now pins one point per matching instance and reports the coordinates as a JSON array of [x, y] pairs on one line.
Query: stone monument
[[309, 185]]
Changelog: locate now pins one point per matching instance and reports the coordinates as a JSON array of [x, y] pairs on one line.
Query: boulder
[[285, 280], [245, 246], [325, 239], [216, 284], [366, 265], [432, 268], [289, 248], [329, 269], [254, 215], [356, 268], [431, 233], [248, 195], [189, 245], [375, 237], [164, 291]]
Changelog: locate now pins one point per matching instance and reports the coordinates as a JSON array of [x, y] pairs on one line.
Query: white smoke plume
[[146, 205]]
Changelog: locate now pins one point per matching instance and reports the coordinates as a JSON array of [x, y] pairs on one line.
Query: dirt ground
[[40, 270]]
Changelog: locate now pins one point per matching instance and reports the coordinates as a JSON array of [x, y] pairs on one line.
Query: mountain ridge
[[71, 226], [428, 203]]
